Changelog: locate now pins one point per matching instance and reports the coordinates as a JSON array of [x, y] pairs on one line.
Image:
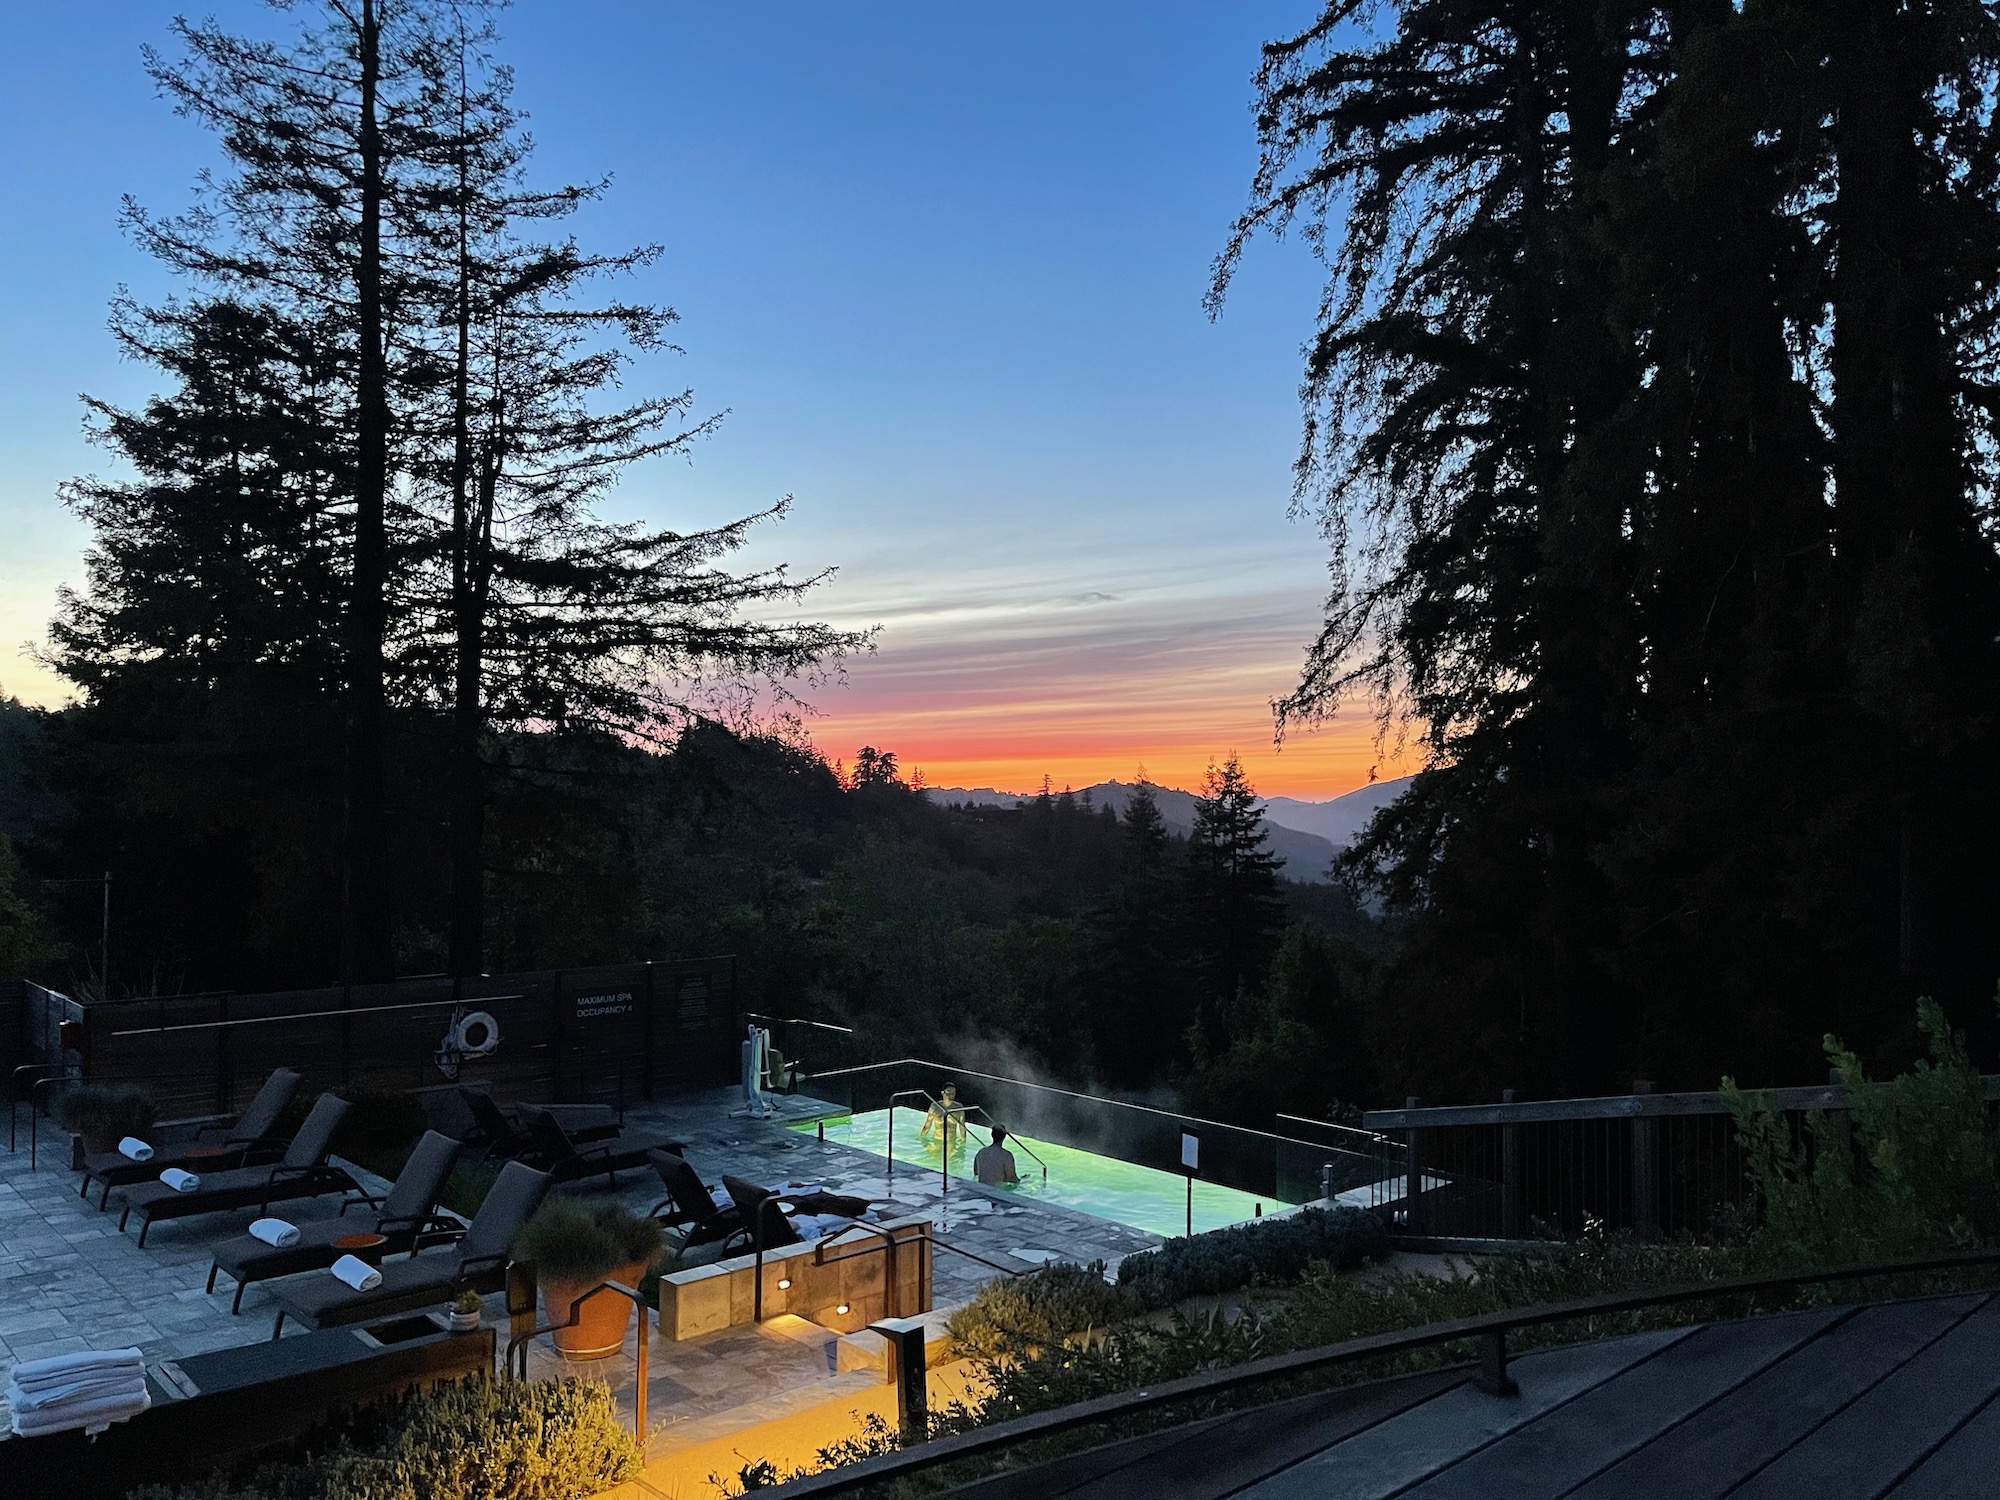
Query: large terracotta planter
[[601, 1331]]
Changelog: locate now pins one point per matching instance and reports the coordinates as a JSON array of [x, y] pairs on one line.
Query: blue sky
[[944, 267]]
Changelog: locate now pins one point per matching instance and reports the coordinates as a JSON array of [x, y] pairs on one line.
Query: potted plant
[[465, 1312], [575, 1243], [104, 1114]]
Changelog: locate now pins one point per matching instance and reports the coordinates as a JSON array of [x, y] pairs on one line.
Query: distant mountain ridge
[[1304, 835]]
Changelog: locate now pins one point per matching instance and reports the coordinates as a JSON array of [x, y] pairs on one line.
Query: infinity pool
[[1143, 1197]]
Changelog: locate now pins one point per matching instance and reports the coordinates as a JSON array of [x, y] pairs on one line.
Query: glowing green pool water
[[1142, 1197]]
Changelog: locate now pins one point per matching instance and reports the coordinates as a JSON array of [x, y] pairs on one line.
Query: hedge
[[478, 1440], [1266, 1250], [1041, 1307]]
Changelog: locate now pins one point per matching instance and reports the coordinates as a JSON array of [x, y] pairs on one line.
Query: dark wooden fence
[[616, 1034]]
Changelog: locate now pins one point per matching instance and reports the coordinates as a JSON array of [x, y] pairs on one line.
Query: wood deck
[[1890, 1402]]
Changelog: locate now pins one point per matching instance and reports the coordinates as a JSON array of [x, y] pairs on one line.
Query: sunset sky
[[943, 265]]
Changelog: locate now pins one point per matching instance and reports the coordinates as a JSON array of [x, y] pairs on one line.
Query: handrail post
[[1645, 1169], [1493, 1378], [1413, 1173], [757, 1240], [1513, 1222]]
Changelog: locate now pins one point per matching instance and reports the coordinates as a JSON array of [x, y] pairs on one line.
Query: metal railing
[[1654, 1164], [1488, 1330], [1264, 1164], [517, 1346], [946, 1112]]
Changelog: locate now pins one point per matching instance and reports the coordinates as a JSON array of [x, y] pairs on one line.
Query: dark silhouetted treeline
[[1052, 937], [1652, 415]]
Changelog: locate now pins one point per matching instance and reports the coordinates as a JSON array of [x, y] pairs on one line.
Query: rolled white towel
[[357, 1273], [91, 1416], [135, 1148], [275, 1232], [720, 1197], [179, 1180], [54, 1369]]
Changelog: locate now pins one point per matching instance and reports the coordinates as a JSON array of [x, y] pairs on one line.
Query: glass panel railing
[[1074, 1142]]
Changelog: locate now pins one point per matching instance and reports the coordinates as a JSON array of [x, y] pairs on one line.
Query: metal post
[[1413, 1173], [521, 1289], [639, 1386], [905, 1338], [105, 938], [1493, 1378], [1645, 1170], [1190, 1206], [1513, 1222]]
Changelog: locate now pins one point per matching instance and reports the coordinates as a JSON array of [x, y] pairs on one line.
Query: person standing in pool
[[945, 1119], [994, 1165]]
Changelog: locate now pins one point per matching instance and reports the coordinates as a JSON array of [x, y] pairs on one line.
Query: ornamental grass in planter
[[575, 1243], [104, 1114]]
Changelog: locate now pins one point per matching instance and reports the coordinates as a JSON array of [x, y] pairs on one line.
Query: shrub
[[1907, 1168], [554, 1440], [480, 1440], [1046, 1306], [1273, 1250], [380, 1129], [104, 1114], [468, 1186], [580, 1239]]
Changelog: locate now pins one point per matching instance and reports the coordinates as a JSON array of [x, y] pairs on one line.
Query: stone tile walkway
[[70, 1281]]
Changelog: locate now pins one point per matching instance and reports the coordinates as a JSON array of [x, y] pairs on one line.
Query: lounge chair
[[503, 1130], [748, 1197], [222, 1143], [691, 1202], [406, 1212], [301, 1172], [567, 1160], [476, 1261]]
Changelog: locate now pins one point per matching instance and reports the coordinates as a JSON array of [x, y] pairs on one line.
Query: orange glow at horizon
[[1084, 688]]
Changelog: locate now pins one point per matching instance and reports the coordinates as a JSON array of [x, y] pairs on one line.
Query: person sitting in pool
[[994, 1165], [945, 1118]]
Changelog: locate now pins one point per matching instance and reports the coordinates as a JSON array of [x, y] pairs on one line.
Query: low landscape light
[[784, 1283], [842, 1308]]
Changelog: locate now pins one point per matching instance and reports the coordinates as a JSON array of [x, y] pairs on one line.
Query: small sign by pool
[[1121, 1191]]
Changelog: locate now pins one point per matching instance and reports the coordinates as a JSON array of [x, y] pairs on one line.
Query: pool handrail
[[944, 1152]]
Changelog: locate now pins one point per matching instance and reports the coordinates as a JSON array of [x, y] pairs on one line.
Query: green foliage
[[582, 1239], [1907, 1168], [467, 1186], [481, 1439], [1271, 1250], [380, 1128], [27, 942], [1050, 1305], [105, 1113], [466, 1302]]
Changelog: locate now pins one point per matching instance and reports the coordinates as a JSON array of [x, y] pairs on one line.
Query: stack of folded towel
[[89, 1390]]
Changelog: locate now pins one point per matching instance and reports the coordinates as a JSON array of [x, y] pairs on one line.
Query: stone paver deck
[[70, 1281]]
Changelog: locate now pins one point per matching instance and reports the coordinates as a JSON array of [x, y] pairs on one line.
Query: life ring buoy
[[476, 1034]]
